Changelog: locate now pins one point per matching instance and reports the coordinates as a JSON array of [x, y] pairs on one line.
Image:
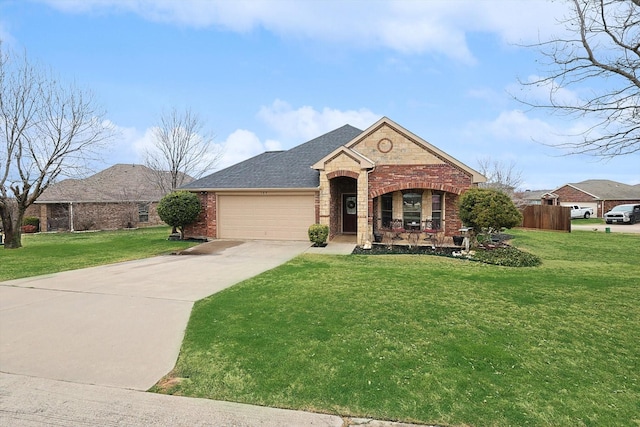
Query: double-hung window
[[411, 209]]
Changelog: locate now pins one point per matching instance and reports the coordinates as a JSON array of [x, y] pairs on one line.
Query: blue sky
[[271, 74]]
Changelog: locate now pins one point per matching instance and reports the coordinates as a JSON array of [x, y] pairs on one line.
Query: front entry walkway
[[345, 238]]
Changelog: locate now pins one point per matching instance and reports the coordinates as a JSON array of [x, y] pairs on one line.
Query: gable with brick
[[600, 194]]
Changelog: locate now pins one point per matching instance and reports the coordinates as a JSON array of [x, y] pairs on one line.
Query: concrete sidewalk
[[29, 401]]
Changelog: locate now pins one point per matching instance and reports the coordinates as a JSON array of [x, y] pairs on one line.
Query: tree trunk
[[11, 228]]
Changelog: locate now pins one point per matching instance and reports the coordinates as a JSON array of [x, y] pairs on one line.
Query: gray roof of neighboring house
[[119, 183], [534, 194], [605, 189], [279, 169]]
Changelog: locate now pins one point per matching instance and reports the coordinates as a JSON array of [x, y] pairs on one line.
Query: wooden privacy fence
[[547, 217]]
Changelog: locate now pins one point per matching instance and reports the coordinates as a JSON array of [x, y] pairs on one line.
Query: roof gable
[[344, 153], [605, 189], [384, 137]]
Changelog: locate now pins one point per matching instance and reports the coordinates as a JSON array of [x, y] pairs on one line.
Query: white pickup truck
[[578, 212]]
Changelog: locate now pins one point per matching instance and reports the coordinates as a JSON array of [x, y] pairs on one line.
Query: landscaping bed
[[381, 249], [494, 250]]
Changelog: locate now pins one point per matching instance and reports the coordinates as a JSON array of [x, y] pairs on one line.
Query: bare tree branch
[[46, 129], [606, 52], [182, 148], [502, 176]]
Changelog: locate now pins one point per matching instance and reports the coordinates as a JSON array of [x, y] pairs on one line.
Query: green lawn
[[590, 221], [46, 253], [431, 340]]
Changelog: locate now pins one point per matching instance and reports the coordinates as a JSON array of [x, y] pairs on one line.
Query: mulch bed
[[381, 249]]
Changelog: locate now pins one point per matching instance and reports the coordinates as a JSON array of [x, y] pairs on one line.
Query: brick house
[[122, 196], [354, 181], [600, 194]]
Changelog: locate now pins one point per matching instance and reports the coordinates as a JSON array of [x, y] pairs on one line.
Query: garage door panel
[[275, 217]]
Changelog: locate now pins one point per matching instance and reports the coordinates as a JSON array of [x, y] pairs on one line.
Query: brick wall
[[443, 177], [568, 194], [439, 177], [610, 204], [93, 216], [206, 224]]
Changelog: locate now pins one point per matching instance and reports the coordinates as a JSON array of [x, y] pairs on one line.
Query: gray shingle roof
[[605, 189], [279, 169], [119, 183]]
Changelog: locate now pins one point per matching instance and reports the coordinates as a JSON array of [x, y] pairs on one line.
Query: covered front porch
[[401, 214]]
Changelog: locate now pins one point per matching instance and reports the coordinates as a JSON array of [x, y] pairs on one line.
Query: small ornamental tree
[[488, 210], [179, 209]]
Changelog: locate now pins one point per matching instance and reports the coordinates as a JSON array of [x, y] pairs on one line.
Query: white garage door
[[271, 217]]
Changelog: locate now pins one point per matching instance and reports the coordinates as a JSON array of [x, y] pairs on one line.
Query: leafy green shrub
[[31, 220], [488, 210], [318, 234], [508, 257], [179, 209]]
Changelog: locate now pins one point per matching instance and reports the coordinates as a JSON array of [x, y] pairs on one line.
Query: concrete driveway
[[119, 325], [613, 228]]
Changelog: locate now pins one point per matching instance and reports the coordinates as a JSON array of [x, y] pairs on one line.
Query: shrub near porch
[[430, 339]]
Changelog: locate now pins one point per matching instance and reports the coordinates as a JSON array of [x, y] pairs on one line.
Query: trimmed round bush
[[318, 234], [179, 209]]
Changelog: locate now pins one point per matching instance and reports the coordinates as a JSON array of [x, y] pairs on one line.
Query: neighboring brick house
[[600, 194], [536, 197], [354, 181], [122, 196]]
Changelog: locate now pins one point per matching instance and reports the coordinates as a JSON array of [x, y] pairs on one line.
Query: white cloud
[[541, 93], [516, 125], [294, 125], [243, 144], [305, 123], [5, 37], [405, 26]]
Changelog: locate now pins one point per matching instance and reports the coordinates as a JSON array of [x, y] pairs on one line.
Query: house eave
[[61, 202], [363, 161], [252, 190]]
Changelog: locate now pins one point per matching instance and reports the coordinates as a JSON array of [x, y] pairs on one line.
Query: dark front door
[[349, 213]]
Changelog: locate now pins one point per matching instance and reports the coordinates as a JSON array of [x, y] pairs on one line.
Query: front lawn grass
[[46, 253], [588, 221], [429, 339]]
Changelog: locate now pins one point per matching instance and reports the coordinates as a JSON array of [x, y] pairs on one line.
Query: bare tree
[[603, 46], [181, 148], [500, 175], [47, 129]]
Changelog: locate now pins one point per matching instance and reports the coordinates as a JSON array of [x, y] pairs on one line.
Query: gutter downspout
[[71, 216]]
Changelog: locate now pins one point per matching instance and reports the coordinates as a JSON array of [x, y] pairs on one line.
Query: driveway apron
[[119, 325]]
